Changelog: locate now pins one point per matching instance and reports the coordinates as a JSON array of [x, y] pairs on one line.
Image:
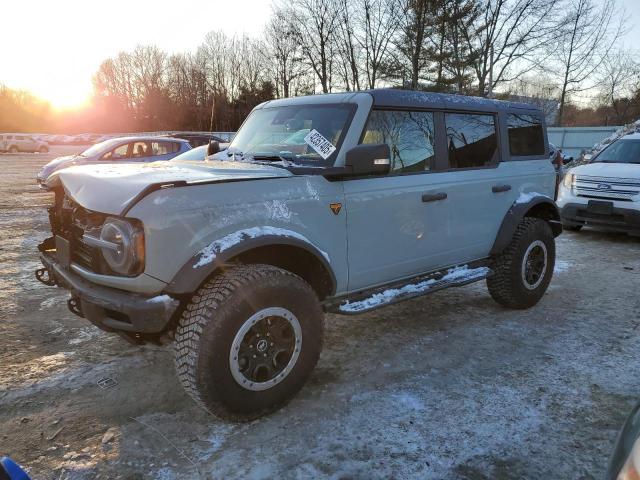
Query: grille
[[604, 187]]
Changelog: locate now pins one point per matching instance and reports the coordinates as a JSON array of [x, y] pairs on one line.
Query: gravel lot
[[447, 386]]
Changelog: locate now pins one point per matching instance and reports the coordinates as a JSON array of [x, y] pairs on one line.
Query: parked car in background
[[197, 153], [606, 191], [197, 139], [119, 150], [20, 142]]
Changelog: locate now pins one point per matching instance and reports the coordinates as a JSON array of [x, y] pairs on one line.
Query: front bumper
[[602, 214], [108, 308]]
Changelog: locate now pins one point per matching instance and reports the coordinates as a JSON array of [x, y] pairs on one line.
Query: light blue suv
[[331, 203], [119, 150]]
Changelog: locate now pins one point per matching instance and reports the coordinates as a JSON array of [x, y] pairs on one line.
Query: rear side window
[[164, 148], [525, 135], [410, 136], [471, 140]]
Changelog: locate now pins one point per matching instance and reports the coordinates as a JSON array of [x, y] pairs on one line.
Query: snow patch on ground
[[209, 253], [562, 266], [53, 302], [85, 334], [457, 274], [165, 299]]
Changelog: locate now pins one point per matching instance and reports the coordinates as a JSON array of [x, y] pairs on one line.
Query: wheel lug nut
[[272, 344], [254, 356], [265, 354]]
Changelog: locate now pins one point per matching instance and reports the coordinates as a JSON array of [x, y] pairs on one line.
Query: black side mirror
[[213, 148], [369, 159], [566, 160]]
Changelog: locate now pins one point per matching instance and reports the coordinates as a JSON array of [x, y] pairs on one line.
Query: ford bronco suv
[[330, 203]]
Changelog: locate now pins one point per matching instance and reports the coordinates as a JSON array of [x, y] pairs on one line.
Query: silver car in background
[[119, 150]]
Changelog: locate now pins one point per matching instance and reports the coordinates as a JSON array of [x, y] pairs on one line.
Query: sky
[[53, 47]]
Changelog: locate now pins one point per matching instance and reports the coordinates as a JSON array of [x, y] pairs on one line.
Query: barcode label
[[320, 144]]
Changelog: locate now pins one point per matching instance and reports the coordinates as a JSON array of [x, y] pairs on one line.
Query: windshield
[[622, 151], [99, 148], [305, 134], [197, 153]]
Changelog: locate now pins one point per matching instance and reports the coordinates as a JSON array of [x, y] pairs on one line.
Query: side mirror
[[369, 159], [213, 148], [566, 160]]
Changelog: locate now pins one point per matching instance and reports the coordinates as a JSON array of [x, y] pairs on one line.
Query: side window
[[164, 148], [410, 136], [525, 135], [140, 149], [471, 140], [117, 153]]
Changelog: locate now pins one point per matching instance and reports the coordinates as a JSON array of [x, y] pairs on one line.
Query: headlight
[[123, 247], [569, 180]]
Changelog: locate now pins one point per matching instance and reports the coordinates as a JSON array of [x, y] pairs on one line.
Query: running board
[[372, 299]]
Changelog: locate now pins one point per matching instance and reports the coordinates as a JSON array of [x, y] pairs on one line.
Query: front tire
[[13, 149], [43, 150], [248, 340], [523, 271]]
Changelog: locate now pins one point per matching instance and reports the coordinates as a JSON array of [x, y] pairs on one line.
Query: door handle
[[433, 197], [500, 188]]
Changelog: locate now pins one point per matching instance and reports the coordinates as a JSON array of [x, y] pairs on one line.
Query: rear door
[[161, 150], [395, 223], [484, 185]]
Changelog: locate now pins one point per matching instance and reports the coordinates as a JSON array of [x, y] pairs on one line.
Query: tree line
[[561, 51]]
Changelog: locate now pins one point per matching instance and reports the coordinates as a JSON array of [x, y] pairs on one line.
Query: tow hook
[[43, 275], [74, 307]]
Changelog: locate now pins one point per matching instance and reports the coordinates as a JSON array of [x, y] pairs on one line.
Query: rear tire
[[13, 149], [250, 308], [43, 150], [523, 271]]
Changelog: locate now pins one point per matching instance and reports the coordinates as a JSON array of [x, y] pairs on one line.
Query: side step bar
[[416, 287]]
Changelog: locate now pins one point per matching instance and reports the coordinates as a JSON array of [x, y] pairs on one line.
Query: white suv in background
[[606, 191], [19, 142]]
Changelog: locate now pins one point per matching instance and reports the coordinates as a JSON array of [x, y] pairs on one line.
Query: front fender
[[528, 205], [218, 254]]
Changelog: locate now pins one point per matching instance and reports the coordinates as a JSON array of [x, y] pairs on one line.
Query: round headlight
[[128, 257]]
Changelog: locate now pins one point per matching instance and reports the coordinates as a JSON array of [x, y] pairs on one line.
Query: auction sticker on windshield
[[320, 144]]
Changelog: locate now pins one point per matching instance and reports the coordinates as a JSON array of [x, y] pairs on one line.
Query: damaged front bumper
[[108, 308]]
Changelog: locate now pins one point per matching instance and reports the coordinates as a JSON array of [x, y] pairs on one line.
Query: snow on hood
[[108, 188], [610, 170]]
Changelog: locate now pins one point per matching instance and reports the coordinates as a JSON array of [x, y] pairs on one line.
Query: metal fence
[[577, 140]]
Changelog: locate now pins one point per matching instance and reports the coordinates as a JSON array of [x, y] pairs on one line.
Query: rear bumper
[[619, 219], [111, 309]]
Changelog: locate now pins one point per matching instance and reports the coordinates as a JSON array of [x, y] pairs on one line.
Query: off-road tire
[[210, 322], [13, 149], [506, 285]]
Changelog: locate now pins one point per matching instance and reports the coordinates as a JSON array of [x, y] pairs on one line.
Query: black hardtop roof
[[393, 97]]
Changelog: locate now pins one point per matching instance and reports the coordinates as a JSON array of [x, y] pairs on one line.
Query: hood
[[609, 170], [109, 188], [57, 164]]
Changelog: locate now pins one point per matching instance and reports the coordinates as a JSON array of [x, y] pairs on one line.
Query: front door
[[397, 225]]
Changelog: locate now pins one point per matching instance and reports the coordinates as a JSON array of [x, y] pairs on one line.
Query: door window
[[525, 135], [410, 136], [471, 140], [117, 153], [140, 149], [164, 148]]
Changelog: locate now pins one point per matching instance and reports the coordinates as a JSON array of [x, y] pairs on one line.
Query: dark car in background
[[198, 139], [119, 150]]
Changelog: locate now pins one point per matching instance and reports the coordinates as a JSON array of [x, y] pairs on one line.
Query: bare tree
[[378, 22], [284, 52], [416, 19], [591, 31], [508, 39], [619, 79], [316, 23]]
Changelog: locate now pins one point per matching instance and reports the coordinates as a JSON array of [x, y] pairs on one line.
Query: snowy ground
[[445, 386]]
